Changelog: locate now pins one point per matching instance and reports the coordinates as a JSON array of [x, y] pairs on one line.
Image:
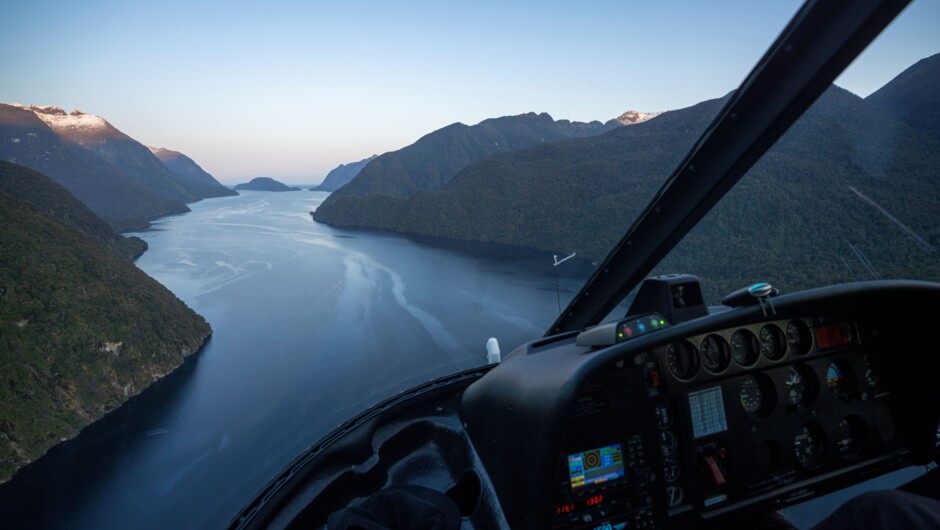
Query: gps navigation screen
[[596, 466]]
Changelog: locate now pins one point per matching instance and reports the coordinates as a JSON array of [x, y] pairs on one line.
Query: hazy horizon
[[292, 90]]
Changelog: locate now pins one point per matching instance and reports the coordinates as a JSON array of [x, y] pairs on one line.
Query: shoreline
[[188, 359]]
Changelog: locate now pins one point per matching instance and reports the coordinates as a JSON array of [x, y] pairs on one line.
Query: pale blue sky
[[292, 89]]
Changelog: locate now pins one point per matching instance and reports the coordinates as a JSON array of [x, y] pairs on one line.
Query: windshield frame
[[818, 43]]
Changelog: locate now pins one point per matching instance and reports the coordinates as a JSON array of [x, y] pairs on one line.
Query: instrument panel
[[715, 420], [727, 417]]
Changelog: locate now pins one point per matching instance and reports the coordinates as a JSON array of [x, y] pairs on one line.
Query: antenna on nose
[[555, 274]]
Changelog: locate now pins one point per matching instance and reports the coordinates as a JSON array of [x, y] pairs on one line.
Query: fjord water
[[311, 326]]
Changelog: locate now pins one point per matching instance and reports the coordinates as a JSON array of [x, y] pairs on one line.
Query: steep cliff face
[[81, 328]]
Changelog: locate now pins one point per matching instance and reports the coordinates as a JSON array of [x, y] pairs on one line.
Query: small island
[[265, 184]]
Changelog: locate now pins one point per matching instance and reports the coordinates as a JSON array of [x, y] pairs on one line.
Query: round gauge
[[674, 495], [671, 469], [757, 395], [663, 416], [682, 359], [667, 442], [715, 354], [809, 445], [799, 337], [773, 344], [744, 348], [800, 385], [851, 435], [841, 381]]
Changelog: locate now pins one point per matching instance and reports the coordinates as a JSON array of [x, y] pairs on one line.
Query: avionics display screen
[[595, 466], [708, 412]]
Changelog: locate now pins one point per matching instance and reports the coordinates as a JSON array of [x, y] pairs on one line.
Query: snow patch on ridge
[[75, 121], [632, 117]]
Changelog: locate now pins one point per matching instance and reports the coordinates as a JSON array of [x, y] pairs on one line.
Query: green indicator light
[[662, 321], [620, 335]]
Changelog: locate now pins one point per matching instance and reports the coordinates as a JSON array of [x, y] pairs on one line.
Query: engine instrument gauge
[[809, 445], [799, 337], [674, 495], [715, 354], [757, 395], [841, 381], [667, 442], [773, 344], [800, 385], [682, 360], [852, 433], [744, 348]]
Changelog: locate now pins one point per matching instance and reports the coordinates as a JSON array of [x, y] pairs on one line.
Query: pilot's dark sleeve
[[887, 509]]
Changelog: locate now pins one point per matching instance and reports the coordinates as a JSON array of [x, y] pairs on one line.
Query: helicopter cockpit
[[675, 414]]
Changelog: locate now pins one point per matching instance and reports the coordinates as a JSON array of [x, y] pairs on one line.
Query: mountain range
[[342, 175], [432, 161], [844, 155], [82, 329], [117, 177]]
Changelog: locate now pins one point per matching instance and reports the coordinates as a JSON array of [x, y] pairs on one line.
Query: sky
[[290, 90]]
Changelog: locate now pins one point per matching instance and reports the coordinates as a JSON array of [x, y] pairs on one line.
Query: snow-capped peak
[[73, 122], [632, 117]]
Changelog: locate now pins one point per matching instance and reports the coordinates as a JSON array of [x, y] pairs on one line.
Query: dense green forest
[[81, 328], [56, 202], [793, 220]]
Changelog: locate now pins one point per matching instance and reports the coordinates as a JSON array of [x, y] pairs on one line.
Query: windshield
[[458, 172]]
